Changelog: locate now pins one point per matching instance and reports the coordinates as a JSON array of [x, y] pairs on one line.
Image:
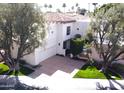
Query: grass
[[89, 72], [92, 72], [23, 70], [3, 68]]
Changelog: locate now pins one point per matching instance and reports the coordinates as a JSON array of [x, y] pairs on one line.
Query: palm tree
[[64, 5], [88, 7], [50, 7], [72, 8], [94, 5], [78, 9], [45, 6], [77, 5]]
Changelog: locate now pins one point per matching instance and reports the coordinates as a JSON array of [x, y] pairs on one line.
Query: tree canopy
[[22, 25], [108, 28], [81, 11], [64, 5]]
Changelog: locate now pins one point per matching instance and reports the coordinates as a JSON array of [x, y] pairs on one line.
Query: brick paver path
[[58, 66]]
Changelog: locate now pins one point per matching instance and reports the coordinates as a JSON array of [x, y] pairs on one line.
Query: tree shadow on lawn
[[13, 83], [111, 85]]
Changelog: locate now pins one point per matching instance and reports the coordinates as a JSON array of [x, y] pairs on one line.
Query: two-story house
[[60, 28]]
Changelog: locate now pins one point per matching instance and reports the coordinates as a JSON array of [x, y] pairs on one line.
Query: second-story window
[[68, 30]]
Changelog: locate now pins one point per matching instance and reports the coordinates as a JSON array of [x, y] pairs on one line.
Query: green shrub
[[76, 46], [89, 37], [77, 36]]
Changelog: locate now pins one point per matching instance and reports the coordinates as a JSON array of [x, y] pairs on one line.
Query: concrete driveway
[[58, 66]]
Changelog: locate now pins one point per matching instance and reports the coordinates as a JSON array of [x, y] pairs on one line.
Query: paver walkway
[[58, 66]]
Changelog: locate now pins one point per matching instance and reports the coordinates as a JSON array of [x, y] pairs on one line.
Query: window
[[68, 30]]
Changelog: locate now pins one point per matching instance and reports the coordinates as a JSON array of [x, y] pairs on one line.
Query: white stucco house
[[60, 28]]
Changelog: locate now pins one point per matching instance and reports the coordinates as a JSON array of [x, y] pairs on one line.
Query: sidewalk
[[57, 73], [71, 83]]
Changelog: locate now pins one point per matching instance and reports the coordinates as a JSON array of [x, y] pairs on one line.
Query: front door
[[66, 46]]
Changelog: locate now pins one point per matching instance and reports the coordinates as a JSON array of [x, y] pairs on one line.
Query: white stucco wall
[[28, 58], [48, 48], [62, 36], [50, 39], [65, 36], [59, 38], [41, 54], [82, 25]]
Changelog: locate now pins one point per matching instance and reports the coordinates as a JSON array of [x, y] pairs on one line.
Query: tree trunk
[[17, 61], [17, 71], [17, 68], [104, 66]]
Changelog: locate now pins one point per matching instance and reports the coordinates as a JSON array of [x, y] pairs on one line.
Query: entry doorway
[[66, 46]]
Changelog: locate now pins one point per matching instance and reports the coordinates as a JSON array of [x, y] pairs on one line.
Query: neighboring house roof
[[64, 17], [58, 17], [77, 16]]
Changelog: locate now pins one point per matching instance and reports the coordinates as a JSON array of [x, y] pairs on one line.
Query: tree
[[94, 5], [45, 6], [64, 6], [50, 6], [21, 25], [78, 9], [72, 8], [77, 5], [89, 37], [76, 46], [58, 10], [108, 26], [105, 6], [77, 36], [82, 11]]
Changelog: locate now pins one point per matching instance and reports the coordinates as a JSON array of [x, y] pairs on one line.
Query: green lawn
[[91, 72], [3, 68], [23, 70]]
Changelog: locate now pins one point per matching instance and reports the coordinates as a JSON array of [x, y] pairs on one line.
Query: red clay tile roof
[[58, 17]]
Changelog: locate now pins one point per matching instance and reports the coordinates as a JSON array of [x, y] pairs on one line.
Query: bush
[[76, 46], [77, 36], [89, 37]]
